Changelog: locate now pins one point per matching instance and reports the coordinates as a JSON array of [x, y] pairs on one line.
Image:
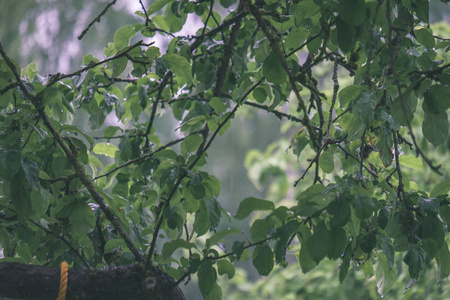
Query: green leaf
[[273, 71], [431, 249], [388, 250], [298, 142], [259, 94], [217, 104], [30, 71], [160, 22], [442, 188], [444, 213], [9, 162], [385, 275], [207, 277], [110, 131], [364, 207], [415, 259], [313, 200], [318, 243], [105, 149], [367, 269], [179, 66], [314, 45], [345, 36], [175, 18], [118, 65], [263, 259], [337, 242], [408, 108], [364, 106], [428, 205], [326, 162], [340, 212], [425, 37], [260, 229], [31, 170], [170, 247], [411, 161], [113, 244], [224, 266], [345, 264], [250, 204], [352, 12], [227, 3], [219, 236], [433, 228], [20, 197], [157, 5], [305, 259], [284, 234], [202, 224], [24, 252], [422, 9], [81, 218], [191, 143], [441, 95], [215, 294], [238, 249], [367, 242], [435, 127], [305, 10], [385, 141], [198, 191], [123, 35], [97, 119], [75, 130], [443, 262], [349, 94], [152, 53]]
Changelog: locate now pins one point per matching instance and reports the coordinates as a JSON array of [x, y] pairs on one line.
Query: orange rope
[[64, 278]]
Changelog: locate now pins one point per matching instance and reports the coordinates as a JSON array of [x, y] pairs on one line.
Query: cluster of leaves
[[127, 196]]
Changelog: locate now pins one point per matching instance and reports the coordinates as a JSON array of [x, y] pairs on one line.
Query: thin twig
[[302, 45], [226, 23], [58, 77], [245, 247], [316, 158], [155, 106], [280, 115], [185, 173], [97, 19], [147, 19], [8, 87], [274, 42], [29, 134], [371, 44], [375, 175], [228, 53], [400, 94], [333, 98], [146, 156], [65, 241]]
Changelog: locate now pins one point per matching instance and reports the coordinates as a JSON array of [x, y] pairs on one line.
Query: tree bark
[[123, 282]]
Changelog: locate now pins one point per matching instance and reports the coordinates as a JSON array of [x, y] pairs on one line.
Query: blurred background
[[45, 31]]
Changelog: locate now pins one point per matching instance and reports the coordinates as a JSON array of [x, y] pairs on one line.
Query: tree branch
[[275, 45], [36, 282], [79, 169], [185, 173]]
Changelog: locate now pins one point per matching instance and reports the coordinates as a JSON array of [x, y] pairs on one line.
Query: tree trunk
[[123, 282]]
